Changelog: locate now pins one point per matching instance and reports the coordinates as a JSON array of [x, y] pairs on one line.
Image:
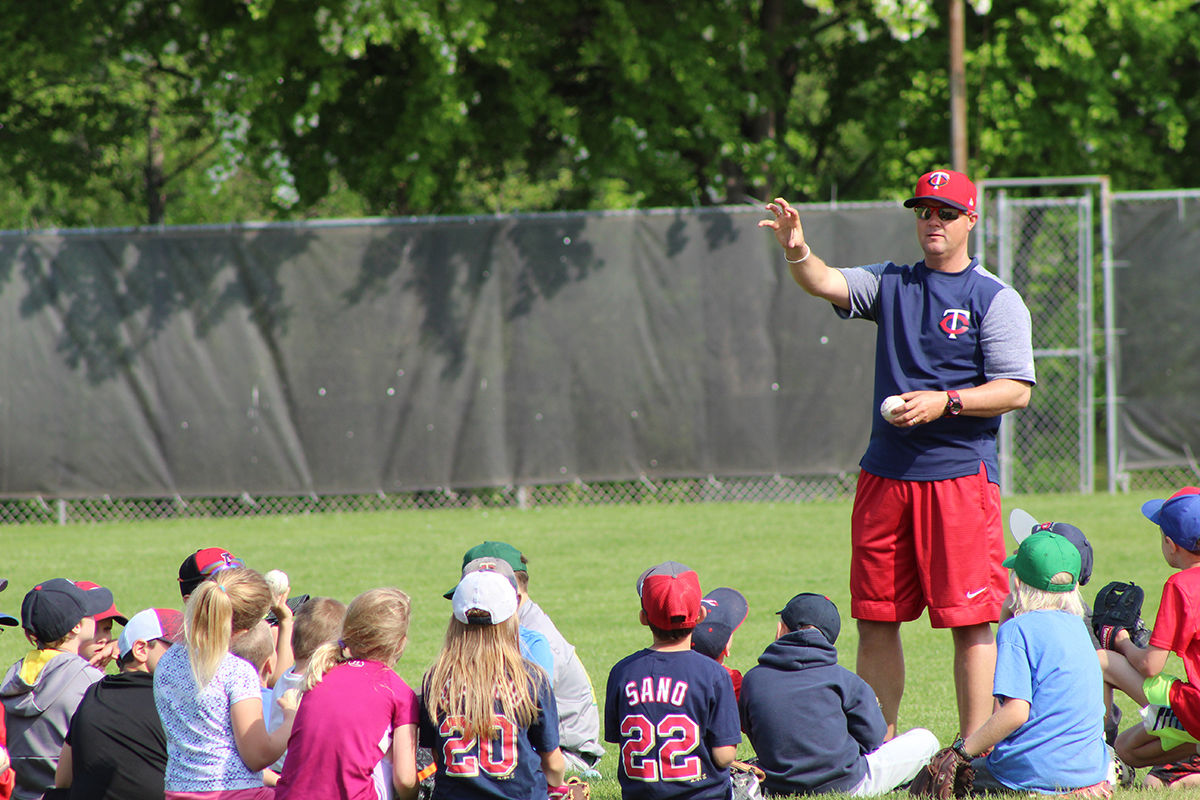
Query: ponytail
[[375, 629], [232, 600], [323, 659]]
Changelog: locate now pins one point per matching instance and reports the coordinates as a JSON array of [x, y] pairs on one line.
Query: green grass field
[[583, 564]]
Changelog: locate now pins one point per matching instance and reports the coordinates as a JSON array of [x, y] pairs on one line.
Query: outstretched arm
[[814, 275]]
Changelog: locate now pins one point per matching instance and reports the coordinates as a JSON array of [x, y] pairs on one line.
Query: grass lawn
[[583, 564]]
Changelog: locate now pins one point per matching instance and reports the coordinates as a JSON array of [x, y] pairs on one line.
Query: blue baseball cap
[[1178, 516]]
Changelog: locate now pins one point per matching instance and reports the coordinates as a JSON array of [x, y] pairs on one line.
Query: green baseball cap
[[500, 550], [1042, 556]]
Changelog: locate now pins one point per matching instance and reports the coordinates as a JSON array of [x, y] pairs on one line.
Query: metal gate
[[1038, 236]]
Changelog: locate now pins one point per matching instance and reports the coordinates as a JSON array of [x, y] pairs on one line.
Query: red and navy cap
[[202, 565], [670, 595], [1178, 516], [945, 186]]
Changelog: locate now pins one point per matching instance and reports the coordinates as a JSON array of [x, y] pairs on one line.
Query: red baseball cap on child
[[670, 595], [111, 612], [945, 186]]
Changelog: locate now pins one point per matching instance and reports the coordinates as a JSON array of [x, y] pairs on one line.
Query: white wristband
[[802, 259]]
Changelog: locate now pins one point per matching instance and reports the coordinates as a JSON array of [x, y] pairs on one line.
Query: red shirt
[[1177, 628]]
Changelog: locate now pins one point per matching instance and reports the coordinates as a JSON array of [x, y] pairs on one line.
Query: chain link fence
[[774, 489], [1038, 236], [1042, 246]]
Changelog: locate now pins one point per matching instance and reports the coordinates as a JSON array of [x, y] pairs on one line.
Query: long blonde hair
[[232, 600], [1027, 598], [375, 629], [479, 666]]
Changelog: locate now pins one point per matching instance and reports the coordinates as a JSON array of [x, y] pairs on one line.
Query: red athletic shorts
[[927, 544]]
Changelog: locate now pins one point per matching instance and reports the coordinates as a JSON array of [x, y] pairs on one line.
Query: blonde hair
[[255, 645], [1026, 598], [375, 629], [232, 600], [317, 622], [480, 665]]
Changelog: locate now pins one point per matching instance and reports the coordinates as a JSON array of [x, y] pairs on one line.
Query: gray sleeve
[[1006, 338], [863, 283]]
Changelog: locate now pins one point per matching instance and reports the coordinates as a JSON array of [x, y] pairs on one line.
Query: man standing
[[954, 344]]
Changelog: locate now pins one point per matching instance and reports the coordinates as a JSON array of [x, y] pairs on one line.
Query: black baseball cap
[[1075, 537], [727, 609], [812, 609], [53, 608]]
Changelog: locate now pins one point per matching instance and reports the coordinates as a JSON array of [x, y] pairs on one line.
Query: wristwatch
[[953, 403], [960, 747]]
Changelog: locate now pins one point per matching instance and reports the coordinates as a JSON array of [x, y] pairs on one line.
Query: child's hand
[[289, 701]]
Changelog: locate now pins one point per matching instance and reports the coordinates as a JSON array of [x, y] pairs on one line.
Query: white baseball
[[889, 405], [277, 580]]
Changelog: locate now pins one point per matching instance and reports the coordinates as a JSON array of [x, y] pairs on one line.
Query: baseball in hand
[[277, 580], [890, 405]]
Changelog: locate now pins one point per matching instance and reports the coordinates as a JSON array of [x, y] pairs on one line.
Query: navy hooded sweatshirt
[[811, 722]]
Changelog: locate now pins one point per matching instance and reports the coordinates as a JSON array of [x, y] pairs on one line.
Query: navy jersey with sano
[[507, 767], [667, 710], [938, 331]]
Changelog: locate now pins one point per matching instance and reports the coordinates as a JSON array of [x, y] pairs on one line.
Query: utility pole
[[958, 90]]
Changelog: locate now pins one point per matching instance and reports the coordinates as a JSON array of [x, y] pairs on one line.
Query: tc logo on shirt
[[955, 321]]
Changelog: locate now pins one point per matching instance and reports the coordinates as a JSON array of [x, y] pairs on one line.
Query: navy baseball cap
[[1075, 537], [817, 610], [1178, 516], [727, 610], [53, 608]]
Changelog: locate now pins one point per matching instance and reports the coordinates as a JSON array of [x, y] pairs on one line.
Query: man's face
[[939, 236]]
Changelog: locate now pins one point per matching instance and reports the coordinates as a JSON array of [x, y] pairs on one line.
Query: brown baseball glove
[[948, 774]]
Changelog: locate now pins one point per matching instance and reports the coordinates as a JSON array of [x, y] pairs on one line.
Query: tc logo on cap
[[938, 179]]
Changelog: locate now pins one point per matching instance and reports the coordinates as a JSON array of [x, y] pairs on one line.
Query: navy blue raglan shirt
[[938, 331]]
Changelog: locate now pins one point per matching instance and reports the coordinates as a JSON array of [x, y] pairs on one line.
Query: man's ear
[[781, 629], [140, 651], [642, 618], [703, 613]]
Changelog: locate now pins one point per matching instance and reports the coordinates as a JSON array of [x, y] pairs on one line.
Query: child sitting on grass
[[1047, 732]]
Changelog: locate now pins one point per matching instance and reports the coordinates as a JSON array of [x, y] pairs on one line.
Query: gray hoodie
[[37, 716]]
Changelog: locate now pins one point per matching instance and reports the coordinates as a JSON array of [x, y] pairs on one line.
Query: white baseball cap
[[486, 591], [151, 624]]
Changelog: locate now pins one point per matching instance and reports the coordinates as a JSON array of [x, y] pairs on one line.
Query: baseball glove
[[1118, 607], [948, 774]]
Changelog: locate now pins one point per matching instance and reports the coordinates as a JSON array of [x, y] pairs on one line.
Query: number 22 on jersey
[[675, 738]]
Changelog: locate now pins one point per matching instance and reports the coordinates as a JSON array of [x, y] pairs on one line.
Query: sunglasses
[[944, 214]]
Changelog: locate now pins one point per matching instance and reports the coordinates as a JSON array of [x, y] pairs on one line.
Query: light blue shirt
[[1046, 658]]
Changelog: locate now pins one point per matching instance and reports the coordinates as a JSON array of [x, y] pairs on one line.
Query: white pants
[[896, 762]]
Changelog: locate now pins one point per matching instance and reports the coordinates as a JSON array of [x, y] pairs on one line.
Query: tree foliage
[[121, 112]]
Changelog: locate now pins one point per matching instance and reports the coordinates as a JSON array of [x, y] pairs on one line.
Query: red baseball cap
[[670, 595], [109, 613], [945, 186]]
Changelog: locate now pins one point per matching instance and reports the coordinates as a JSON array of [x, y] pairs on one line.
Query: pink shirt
[[342, 730]]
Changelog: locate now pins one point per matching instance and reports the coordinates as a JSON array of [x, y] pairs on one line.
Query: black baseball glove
[[1118, 607]]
